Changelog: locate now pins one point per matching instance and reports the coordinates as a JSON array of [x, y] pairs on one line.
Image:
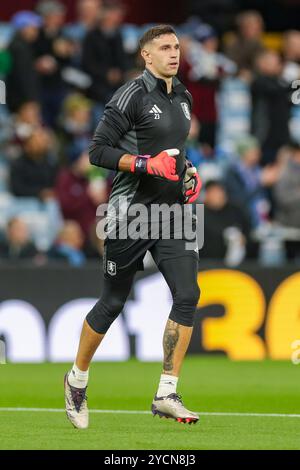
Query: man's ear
[[146, 54]]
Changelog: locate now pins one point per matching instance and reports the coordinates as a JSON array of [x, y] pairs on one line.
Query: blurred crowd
[[244, 138]]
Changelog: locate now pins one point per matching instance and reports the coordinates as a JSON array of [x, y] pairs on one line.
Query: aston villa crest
[[111, 268], [186, 110]]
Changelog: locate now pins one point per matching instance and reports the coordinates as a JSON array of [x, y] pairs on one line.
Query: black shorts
[[123, 257]]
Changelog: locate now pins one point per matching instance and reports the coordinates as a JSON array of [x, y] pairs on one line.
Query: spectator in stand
[[193, 150], [247, 43], [88, 13], [5, 61], [75, 121], [78, 196], [287, 198], [246, 181], [33, 174], [22, 80], [17, 244], [291, 46], [68, 246], [218, 13], [103, 45], [291, 55], [94, 246], [6, 131], [53, 52], [220, 216], [26, 120], [287, 190], [202, 71], [271, 105]]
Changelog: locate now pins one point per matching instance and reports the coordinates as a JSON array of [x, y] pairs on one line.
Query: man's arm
[[116, 122], [286, 193], [126, 162], [119, 117]]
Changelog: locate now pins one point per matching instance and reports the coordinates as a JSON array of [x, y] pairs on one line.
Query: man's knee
[[109, 306], [185, 302], [104, 313], [187, 296]]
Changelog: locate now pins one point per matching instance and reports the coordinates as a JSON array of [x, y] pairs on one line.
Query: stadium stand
[[222, 68]]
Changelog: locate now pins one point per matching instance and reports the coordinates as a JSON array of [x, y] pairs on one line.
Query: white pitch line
[[60, 410], [140, 412]]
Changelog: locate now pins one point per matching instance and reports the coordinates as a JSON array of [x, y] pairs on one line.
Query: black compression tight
[[181, 277]]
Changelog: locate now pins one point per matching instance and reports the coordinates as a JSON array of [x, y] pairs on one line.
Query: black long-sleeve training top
[[143, 119]]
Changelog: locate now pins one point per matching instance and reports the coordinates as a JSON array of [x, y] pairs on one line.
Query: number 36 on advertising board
[[246, 312]]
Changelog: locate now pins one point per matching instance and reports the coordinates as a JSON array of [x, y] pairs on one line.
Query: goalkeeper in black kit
[[142, 137]]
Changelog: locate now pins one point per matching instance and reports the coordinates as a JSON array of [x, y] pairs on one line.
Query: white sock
[[167, 385], [78, 378]]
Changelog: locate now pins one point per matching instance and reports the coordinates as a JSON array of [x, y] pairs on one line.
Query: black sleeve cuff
[[105, 157]]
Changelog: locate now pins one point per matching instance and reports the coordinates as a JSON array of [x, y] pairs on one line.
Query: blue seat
[[43, 219], [6, 32]]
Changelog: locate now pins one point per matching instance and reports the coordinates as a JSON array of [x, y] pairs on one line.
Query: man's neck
[[168, 80]]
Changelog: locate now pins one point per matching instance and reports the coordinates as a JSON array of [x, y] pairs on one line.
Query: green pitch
[[209, 385]]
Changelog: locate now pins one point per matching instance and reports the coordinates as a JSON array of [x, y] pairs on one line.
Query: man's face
[[112, 18], [269, 63], [215, 197], [88, 9], [30, 33], [251, 157], [54, 20], [17, 232], [30, 113], [163, 54], [251, 27], [37, 144]]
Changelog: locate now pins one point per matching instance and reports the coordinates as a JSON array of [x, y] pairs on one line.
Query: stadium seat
[[235, 110], [44, 219]]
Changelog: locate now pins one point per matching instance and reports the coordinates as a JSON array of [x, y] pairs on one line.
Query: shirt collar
[[152, 82]]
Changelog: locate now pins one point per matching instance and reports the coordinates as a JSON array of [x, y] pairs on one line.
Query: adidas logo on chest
[[156, 111]]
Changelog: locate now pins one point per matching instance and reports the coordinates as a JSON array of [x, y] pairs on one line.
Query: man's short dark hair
[[214, 183], [155, 32]]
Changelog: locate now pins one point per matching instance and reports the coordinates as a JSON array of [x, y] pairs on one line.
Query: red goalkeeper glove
[[192, 184], [163, 164]]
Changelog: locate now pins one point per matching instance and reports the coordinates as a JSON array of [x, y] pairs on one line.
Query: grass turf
[[208, 384]]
